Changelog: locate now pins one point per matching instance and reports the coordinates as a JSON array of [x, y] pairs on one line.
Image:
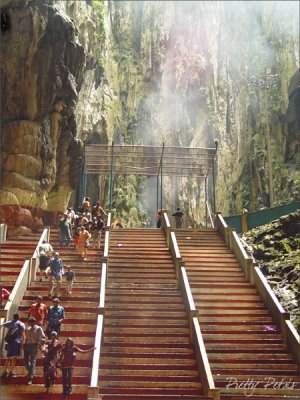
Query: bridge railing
[[248, 220], [253, 273], [93, 390]]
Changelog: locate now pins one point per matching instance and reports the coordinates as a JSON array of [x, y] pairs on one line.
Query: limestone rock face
[[41, 65], [276, 248], [292, 153], [146, 73]]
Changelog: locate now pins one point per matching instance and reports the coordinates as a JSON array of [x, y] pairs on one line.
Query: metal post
[[111, 176], [270, 172], [161, 171], [214, 186], [216, 141], [206, 201], [161, 194], [157, 192], [84, 183]]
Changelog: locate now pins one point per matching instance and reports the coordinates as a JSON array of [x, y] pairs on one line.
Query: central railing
[[93, 390], [204, 369]]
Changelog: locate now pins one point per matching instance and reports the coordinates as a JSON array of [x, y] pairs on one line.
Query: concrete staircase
[[13, 253], [246, 352], [80, 325], [147, 351]]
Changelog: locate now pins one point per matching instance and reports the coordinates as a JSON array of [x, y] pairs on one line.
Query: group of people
[[41, 336], [178, 216], [83, 227], [51, 264]]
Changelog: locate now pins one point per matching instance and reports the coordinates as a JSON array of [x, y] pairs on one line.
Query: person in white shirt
[[45, 253]]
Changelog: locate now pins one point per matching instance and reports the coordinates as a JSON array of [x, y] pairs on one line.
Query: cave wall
[[188, 72], [148, 72], [41, 63]]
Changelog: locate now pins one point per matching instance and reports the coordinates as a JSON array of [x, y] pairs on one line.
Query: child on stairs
[[70, 278]]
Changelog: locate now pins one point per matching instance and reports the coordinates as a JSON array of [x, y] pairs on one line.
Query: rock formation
[[276, 247], [41, 63], [183, 73]]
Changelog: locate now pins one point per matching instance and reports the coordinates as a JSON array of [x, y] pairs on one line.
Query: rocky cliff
[[276, 248], [147, 72], [41, 68]]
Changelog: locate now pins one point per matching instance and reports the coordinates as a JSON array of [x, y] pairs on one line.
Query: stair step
[[17, 389], [150, 391], [154, 397]]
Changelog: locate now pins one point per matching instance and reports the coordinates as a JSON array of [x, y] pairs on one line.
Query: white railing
[[223, 228], [25, 276], [207, 381], [3, 233], [35, 260], [93, 390], [206, 376], [210, 215], [253, 273], [16, 296]]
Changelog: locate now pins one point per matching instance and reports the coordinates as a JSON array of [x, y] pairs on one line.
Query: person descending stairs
[[79, 324], [246, 351]]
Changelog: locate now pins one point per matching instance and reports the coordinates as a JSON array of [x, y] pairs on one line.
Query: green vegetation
[[276, 247], [100, 36]]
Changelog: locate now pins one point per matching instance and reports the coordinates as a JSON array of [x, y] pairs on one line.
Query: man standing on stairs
[[14, 345], [56, 273], [56, 315], [33, 337], [64, 230], [178, 215]]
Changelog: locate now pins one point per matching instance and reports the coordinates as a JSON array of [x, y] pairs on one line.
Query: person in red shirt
[[4, 296], [67, 358], [39, 311]]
